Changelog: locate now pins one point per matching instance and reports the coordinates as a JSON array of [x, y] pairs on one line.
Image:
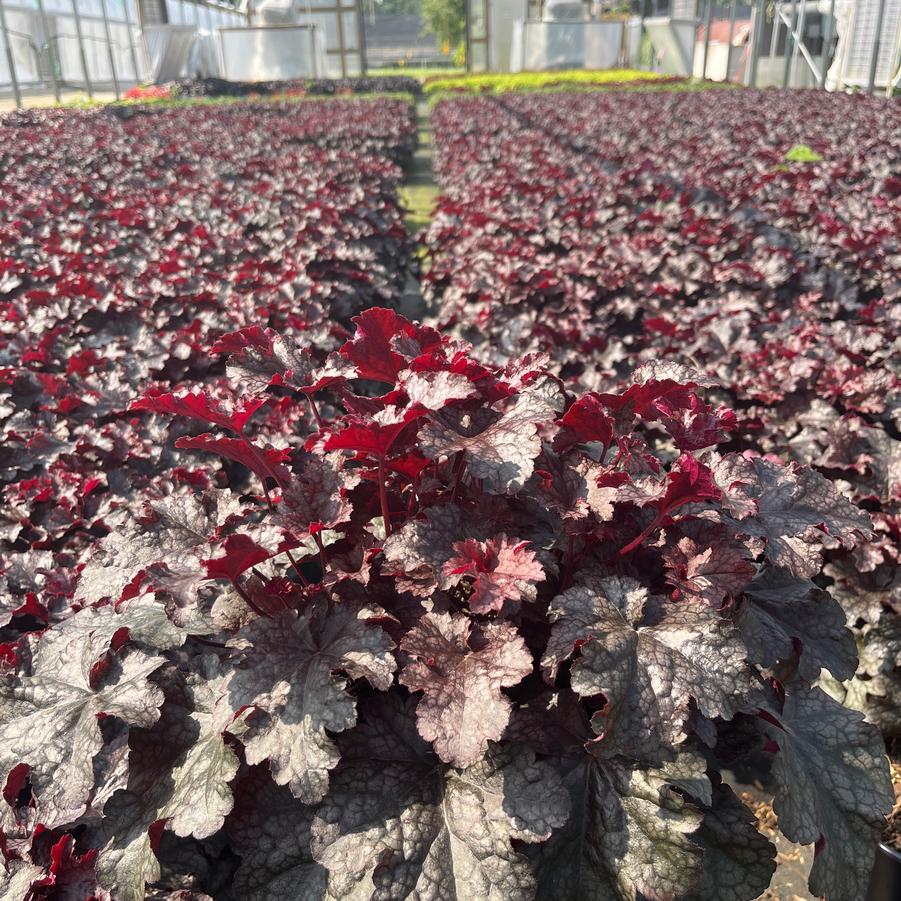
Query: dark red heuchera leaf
[[252, 337], [495, 570], [241, 553], [588, 421], [73, 876], [710, 566], [273, 596], [267, 463], [197, 405], [380, 334], [644, 400], [363, 436], [335, 372], [693, 423], [688, 482]]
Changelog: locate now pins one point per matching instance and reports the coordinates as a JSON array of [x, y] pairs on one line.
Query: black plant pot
[[885, 883]]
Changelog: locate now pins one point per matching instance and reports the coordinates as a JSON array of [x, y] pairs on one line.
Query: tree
[[446, 19]]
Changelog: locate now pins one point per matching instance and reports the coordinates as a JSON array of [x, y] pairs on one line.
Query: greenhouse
[[451, 450]]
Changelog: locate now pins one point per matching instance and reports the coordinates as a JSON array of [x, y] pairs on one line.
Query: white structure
[[866, 55], [272, 52], [336, 44], [276, 40], [565, 38], [857, 22]]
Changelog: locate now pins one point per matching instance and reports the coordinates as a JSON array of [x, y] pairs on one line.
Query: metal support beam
[[877, 46], [799, 45], [342, 46], [894, 75], [790, 36], [361, 36], [756, 40], [81, 53], [109, 48], [732, 14], [827, 42], [467, 40], [51, 48], [690, 61], [643, 6], [774, 36], [708, 22], [131, 38], [10, 61]]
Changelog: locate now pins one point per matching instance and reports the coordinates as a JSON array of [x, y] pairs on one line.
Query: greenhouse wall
[[62, 46]]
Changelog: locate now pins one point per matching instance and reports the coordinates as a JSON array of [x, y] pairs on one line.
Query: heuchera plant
[[562, 229], [474, 637]]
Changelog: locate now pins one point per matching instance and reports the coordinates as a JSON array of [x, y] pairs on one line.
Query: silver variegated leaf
[[647, 672], [832, 785], [289, 679]]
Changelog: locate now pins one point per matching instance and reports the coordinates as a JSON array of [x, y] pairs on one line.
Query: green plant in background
[[801, 153], [532, 81], [446, 19]]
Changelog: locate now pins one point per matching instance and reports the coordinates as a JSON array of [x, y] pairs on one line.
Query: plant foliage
[[302, 599], [461, 611]]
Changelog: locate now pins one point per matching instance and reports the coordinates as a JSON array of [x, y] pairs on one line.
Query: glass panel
[[122, 53], [22, 23], [333, 65], [479, 56], [95, 50], [267, 54], [115, 9], [328, 22], [88, 8], [477, 23], [350, 30], [66, 46]]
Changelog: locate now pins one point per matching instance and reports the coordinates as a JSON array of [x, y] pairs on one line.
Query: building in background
[[839, 44]]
